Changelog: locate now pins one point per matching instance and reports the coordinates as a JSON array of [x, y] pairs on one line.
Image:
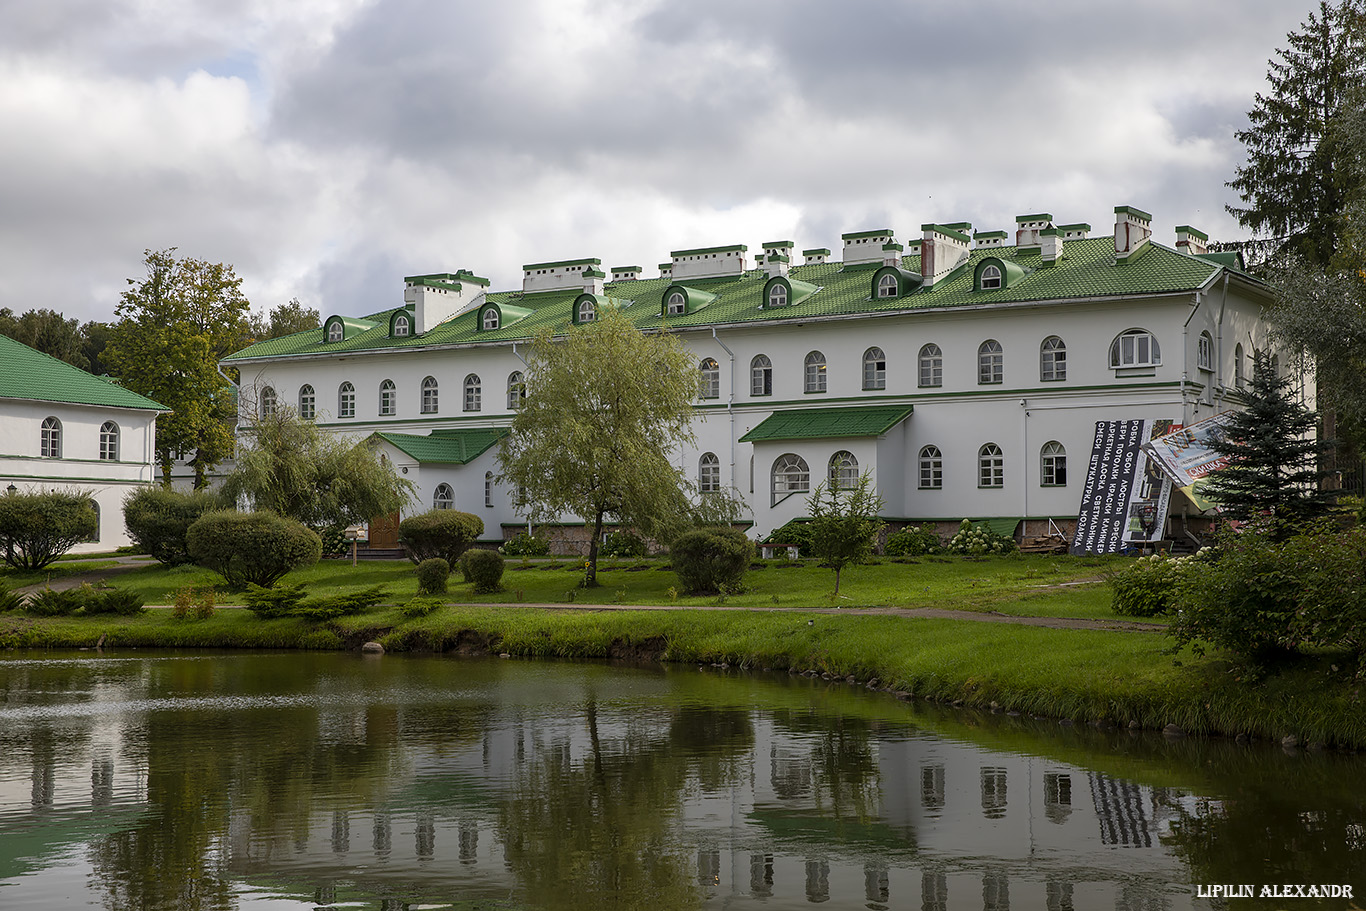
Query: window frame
[[308, 402], [109, 441], [842, 471], [930, 361], [1052, 464], [991, 463], [874, 369], [516, 390], [446, 502], [587, 312], [676, 304], [777, 295], [431, 395], [1136, 339], [991, 278], [991, 363], [490, 319], [1204, 352], [1239, 378], [336, 331], [709, 379], [814, 373], [269, 401], [760, 376], [888, 287], [472, 396], [346, 400], [708, 473], [488, 489], [402, 326], [388, 398], [789, 466], [1053, 360], [931, 468]]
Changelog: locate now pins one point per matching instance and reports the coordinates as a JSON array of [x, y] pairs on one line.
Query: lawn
[[1027, 585]]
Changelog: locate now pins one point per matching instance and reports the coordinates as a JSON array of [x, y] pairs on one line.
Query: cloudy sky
[[327, 148]]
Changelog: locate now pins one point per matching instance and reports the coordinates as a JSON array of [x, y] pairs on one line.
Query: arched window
[[346, 401], [990, 363], [790, 475], [268, 402], [761, 375], [777, 295], [931, 366], [587, 312], [335, 331], [388, 398], [931, 468], [429, 400], [1052, 360], [401, 326], [710, 379], [488, 488], [308, 407], [676, 305], [444, 498], [843, 471], [814, 372], [516, 390], [708, 473], [991, 278], [490, 319], [1238, 366], [1053, 465], [472, 393], [886, 286], [874, 369], [109, 441], [990, 466], [1135, 348]]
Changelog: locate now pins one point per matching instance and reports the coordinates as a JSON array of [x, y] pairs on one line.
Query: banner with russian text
[[1125, 499]]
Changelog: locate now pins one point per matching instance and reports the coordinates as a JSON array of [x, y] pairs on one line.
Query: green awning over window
[[827, 423], [454, 447]]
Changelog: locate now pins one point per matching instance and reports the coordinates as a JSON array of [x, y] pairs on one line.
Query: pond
[[294, 781]]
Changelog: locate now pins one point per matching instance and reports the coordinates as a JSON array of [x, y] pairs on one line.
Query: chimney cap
[[859, 235], [947, 232], [616, 269], [1130, 210], [817, 251], [563, 262], [1193, 232], [1039, 216], [990, 234]]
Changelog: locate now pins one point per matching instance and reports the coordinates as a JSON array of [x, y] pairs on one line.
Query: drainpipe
[[730, 405], [517, 354], [1024, 465]]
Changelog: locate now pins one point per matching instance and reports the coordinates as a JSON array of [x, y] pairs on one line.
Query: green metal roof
[[454, 447], [29, 374], [1087, 270], [827, 423]]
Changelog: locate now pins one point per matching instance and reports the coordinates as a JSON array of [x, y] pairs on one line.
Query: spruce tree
[[1273, 471], [1296, 181]]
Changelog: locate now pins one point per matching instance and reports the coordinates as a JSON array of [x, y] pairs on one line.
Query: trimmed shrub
[[266, 603], [485, 569], [1146, 587], [525, 545], [708, 559], [623, 544], [251, 548], [37, 528], [432, 575], [976, 540], [444, 533], [912, 542], [793, 534], [157, 520], [9, 601]]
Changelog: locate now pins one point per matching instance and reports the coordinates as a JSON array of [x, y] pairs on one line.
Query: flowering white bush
[[977, 540]]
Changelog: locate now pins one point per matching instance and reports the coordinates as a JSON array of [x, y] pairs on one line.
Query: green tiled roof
[[29, 374], [1086, 270], [455, 447], [826, 423]]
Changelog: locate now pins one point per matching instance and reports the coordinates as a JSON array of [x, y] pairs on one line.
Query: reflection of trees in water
[[600, 831]]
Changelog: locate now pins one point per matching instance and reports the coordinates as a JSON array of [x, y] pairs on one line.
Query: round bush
[[913, 542], [37, 528], [525, 545], [708, 559], [485, 569], [251, 548], [432, 575], [1147, 586], [623, 544], [976, 540], [157, 520], [444, 533]]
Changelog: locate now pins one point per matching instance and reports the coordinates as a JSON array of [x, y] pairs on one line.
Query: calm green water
[[298, 781]]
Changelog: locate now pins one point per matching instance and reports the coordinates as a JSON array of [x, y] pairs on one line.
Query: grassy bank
[[1084, 675]]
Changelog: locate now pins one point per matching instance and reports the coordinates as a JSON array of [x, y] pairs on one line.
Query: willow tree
[[605, 406]]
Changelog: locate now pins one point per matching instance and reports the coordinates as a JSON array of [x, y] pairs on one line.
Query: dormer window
[[587, 312], [886, 286], [490, 319], [402, 327], [991, 278], [677, 304], [335, 331], [777, 295]]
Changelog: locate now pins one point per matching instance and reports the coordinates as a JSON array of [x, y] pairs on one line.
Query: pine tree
[[1273, 471], [1296, 182]]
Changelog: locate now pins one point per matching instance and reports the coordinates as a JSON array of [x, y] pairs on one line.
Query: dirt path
[[94, 576]]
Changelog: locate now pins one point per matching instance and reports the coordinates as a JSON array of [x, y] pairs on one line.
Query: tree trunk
[[837, 580], [591, 579]]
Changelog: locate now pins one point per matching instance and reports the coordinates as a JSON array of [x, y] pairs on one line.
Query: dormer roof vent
[[986, 239], [626, 273], [666, 270], [865, 246], [709, 262], [1078, 231], [815, 256], [565, 275]]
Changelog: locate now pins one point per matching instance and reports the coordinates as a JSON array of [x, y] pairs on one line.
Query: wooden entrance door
[[384, 532]]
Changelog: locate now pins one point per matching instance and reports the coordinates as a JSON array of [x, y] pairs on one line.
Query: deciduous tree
[[49, 332], [174, 326], [285, 319], [606, 405]]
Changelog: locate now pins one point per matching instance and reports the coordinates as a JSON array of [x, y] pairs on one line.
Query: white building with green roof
[[966, 373], [67, 430]]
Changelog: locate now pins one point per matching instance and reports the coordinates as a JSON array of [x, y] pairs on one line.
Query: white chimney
[[666, 270], [566, 275], [777, 259], [592, 280], [1133, 227], [709, 262], [626, 273], [1189, 240], [865, 246], [1050, 246], [815, 256], [1078, 231], [891, 253], [989, 239], [438, 297], [941, 251], [1027, 228]]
